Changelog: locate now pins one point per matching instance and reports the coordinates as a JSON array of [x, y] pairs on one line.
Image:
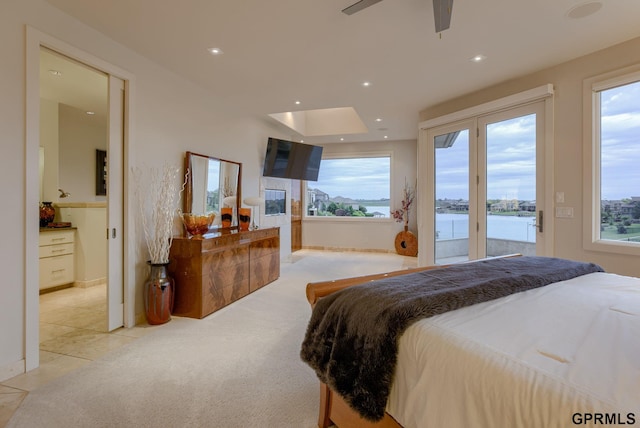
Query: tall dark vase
[[158, 294]]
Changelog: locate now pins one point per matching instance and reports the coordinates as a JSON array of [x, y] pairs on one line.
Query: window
[[354, 188], [275, 202], [614, 158]]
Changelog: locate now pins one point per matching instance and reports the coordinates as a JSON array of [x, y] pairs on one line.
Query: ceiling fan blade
[[358, 6], [442, 10]]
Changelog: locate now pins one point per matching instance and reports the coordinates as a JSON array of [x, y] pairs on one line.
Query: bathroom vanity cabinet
[[57, 266], [222, 267]]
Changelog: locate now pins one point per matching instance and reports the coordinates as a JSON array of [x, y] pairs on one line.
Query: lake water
[[451, 226], [513, 228], [384, 210]]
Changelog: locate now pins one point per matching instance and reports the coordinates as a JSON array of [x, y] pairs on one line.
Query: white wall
[[90, 251], [171, 116], [365, 234], [79, 137]]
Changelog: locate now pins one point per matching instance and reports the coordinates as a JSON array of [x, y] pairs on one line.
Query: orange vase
[[226, 216], [244, 214]]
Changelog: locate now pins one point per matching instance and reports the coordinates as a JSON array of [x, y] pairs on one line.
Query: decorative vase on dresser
[[158, 294], [244, 215], [226, 216]]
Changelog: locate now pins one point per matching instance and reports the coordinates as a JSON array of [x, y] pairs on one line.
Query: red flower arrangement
[[408, 195]]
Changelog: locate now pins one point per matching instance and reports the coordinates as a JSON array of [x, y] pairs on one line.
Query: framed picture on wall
[[101, 172]]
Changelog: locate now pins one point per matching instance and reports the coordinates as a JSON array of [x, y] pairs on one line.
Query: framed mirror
[[212, 183]]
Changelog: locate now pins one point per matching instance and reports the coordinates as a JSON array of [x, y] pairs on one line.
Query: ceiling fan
[[442, 10]]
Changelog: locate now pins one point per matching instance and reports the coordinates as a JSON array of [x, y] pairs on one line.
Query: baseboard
[[90, 283], [340, 249], [12, 370]]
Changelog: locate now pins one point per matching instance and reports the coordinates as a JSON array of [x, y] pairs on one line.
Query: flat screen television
[[288, 159]]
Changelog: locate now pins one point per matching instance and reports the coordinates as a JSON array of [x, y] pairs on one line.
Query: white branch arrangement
[[158, 193]]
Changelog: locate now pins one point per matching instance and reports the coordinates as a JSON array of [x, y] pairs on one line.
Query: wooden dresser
[[221, 268]]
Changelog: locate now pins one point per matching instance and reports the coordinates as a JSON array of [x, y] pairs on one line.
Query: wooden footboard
[[333, 409]]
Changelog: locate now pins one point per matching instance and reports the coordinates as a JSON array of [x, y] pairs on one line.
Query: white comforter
[[548, 357]]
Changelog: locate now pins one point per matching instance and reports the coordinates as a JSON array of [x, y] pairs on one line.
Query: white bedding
[[542, 358]]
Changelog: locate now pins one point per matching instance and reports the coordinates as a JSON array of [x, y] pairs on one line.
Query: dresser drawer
[[56, 237], [56, 270], [56, 250]]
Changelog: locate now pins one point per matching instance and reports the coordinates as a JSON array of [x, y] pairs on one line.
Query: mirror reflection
[[212, 184]]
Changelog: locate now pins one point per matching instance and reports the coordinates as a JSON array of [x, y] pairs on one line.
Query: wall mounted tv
[[288, 159]]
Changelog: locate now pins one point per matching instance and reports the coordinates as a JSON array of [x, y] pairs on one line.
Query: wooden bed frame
[[333, 409]]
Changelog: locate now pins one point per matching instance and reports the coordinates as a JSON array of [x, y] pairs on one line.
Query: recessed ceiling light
[[302, 141], [478, 58], [378, 120], [365, 84], [386, 137], [91, 113], [297, 102], [585, 9], [215, 51], [55, 72], [341, 139]]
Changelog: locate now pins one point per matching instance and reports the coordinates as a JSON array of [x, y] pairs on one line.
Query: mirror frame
[[187, 200]]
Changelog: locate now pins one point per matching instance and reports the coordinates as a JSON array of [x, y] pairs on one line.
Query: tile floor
[[72, 333]]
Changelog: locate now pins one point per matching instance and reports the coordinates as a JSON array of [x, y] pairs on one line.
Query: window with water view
[[351, 187]]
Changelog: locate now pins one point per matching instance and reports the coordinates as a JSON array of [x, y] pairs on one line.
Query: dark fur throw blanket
[[352, 338]]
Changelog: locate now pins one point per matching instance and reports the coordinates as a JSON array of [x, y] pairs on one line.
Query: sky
[[511, 159], [620, 175], [367, 178], [511, 165]]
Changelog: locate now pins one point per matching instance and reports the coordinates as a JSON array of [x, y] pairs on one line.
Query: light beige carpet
[[239, 367]]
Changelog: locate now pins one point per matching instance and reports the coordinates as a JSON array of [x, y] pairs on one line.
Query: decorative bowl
[[197, 224]]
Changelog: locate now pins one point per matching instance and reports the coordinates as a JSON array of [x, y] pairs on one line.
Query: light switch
[[560, 197]]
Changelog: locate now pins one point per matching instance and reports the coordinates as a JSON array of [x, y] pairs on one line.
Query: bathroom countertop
[[50, 229], [96, 204]]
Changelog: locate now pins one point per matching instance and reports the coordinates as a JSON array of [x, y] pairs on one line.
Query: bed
[[564, 351]]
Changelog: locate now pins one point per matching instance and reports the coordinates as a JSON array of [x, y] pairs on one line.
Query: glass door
[[452, 196], [485, 186], [510, 220]]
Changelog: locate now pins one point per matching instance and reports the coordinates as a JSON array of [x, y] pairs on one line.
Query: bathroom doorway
[[118, 276], [73, 274]]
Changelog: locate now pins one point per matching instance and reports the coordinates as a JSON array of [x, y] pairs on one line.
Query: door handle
[[540, 223]]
